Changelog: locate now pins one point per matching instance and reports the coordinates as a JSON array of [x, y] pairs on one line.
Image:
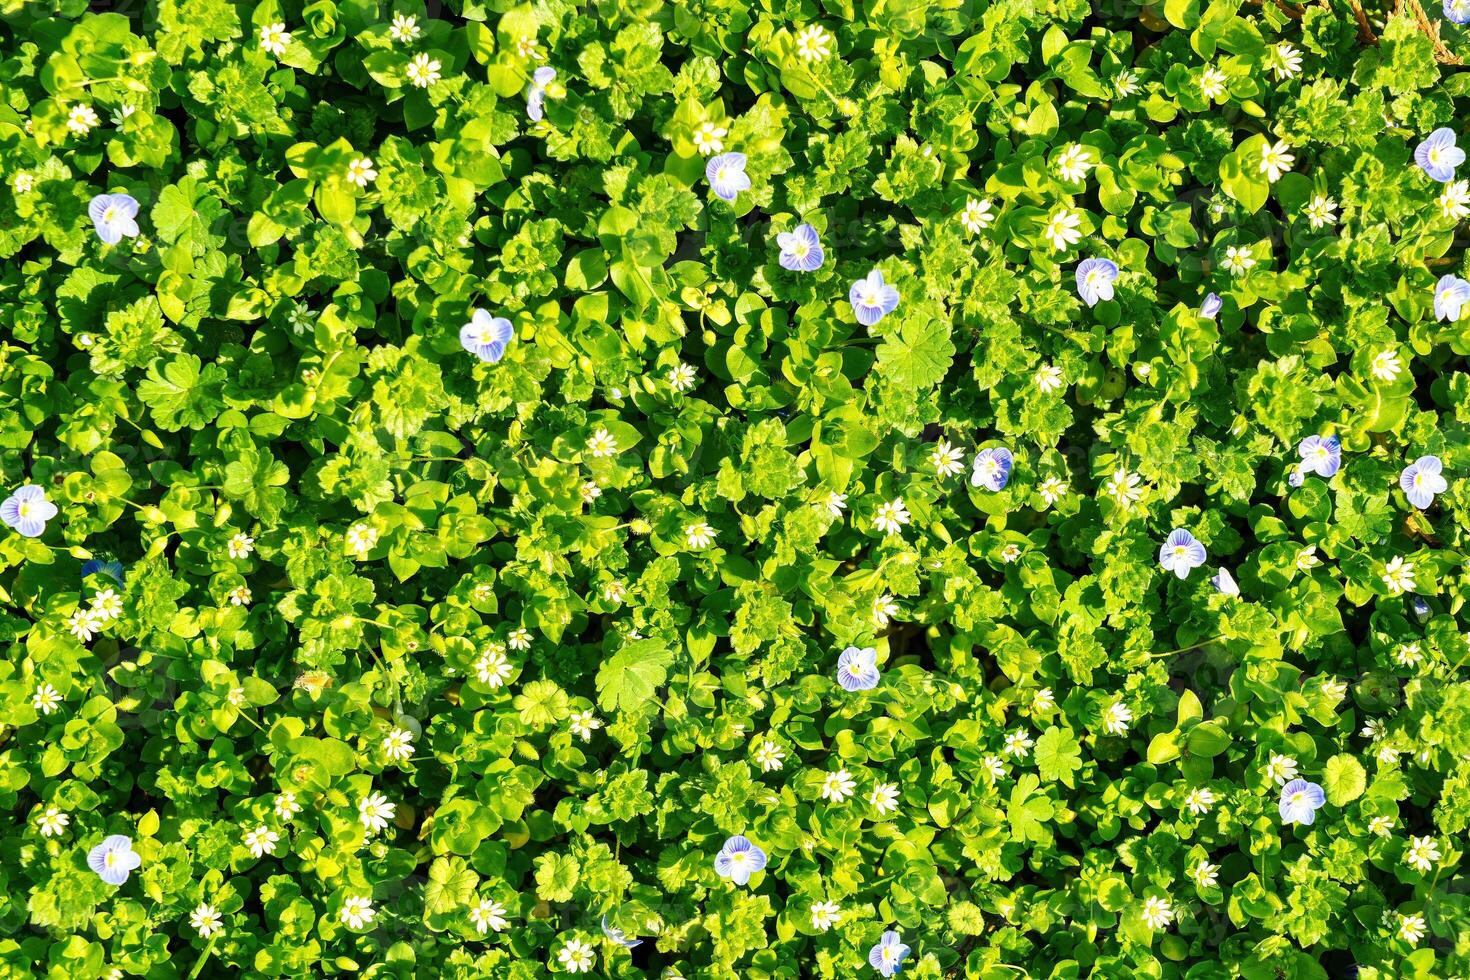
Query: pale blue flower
[[1420, 606], [857, 668], [112, 569], [872, 299], [113, 216], [1438, 156], [801, 249], [1095, 280], [486, 336], [114, 859], [1296, 478], [1300, 801], [726, 175], [536, 92], [992, 469], [1457, 11], [1224, 583], [739, 859], [1210, 308], [619, 936], [1321, 455], [1181, 553], [1450, 293], [1421, 480], [887, 957], [27, 510]]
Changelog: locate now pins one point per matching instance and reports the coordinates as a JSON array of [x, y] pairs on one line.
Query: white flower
[[1116, 718], [360, 172], [492, 667], [1049, 378], [1010, 553], [825, 915], [614, 591], [1212, 83], [993, 767], [357, 911], [1454, 200], [1199, 801], [1126, 83], [1408, 654], [374, 811], [946, 459], [576, 956], [1063, 229], [768, 756], [812, 43], [106, 606], [1157, 913], [891, 517], [519, 639], [835, 503], [122, 112], [239, 595], [1284, 60], [977, 215], [1380, 826], [398, 744], [838, 786], [206, 920], [240, 546], [1306, 558], [1411, 928], [488, 914], [530, 49], [83, 624], [602, 444], [1052, 490], [405, 27], [1276, 160], [423, 71], [46, 699], [261, 841], [1387, 365], [52, 821], [584, 723], [1238, 260], [1204, 873], [1281, 769], [884, 609], [699, 534], [1043, 700], [1018, 743], [1074, 163], [1123, 487], [590, 491], [1422, 853], [82, 119], [1398, 576], [361, 538], [884, 797], [1321, 210], [285, 806], [22, 182], [681, 377], [709, 138], [274, 38]]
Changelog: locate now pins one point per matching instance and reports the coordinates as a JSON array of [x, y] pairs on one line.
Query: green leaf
[[1344, 779], [1058, 755], [632, 675]]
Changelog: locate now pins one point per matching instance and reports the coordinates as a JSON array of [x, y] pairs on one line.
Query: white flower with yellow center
[[1063, 229], [1321, 211], [1386, 365], [398, 744], [699, 534], [52, 821], [357, 911], [884, 609], [709, 138], [240, 546], [1074, 163], [206, 920], [1276, 159], [82, 119], [813, 43], [1398, 576], [977, 215], [274, 38], [602, 444], [261, 841], [422, 71], [946, 459], [1454, 200], [360, 172], [1212, 83], [361, 538], [838, 786], [890, 517], [405, 27]]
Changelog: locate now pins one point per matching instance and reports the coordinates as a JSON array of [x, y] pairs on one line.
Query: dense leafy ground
[[722, 489]]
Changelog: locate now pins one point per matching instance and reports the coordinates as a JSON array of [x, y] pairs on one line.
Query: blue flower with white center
[[857, 669], [887, 957], [113, 216], [872, 299], [1421, 480], [1438, 156], [1224, 583], [1095, 280], [1210, 308], [992, 469], [486, 336], [536, 92], [618, 936], [726, 175], [801, 249], [1181, 553], [114, 859], [1295, 477], [739, 859], [1457, 11], [27, 510], [112, 569], [1300, 801], [1321, 455], [1450, 294], [1420, 606]]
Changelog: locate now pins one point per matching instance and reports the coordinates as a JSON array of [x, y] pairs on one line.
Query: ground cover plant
[[794, 488]]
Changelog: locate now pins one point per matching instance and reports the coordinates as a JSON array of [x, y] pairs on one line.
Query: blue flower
[[113, 216], [618, 936], [872, 299], [1295, 477], [1211, 306], [857, 668], [801, 249], [536, 92], [739, 859], [1450, 293], [27, 510], [726, 175], [1438, 156], [1420, 606], [1421, 480], [1095, 280], [1300, 801], [887, 957], [1457, 11], [1224, 582], [485, 336], [1181, 553], [114, 859], [113, 569], [1321, 455], [992, 469]]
